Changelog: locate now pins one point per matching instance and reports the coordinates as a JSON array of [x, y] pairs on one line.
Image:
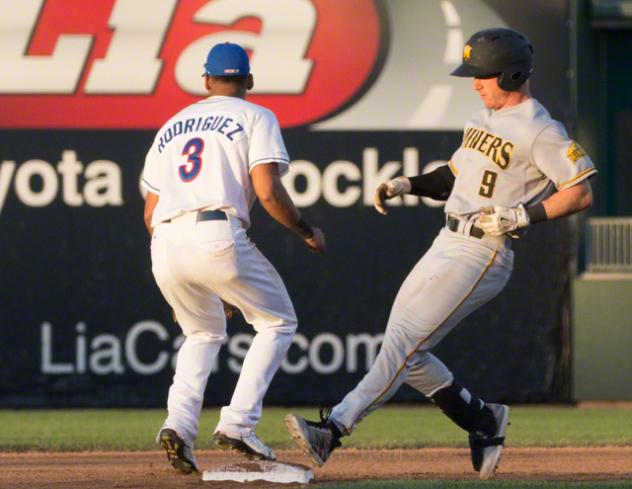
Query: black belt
[[453, 225], [209, 216]]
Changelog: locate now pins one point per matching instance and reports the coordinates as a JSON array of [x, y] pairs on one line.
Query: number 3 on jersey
[[488, 183], [192, 150]]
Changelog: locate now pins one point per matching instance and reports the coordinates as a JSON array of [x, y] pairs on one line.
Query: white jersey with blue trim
[[512, 156], [202, 157]]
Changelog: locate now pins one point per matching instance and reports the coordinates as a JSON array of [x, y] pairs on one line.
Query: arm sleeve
[[436, 184], [266, 144], [151, 179], [560, 158]]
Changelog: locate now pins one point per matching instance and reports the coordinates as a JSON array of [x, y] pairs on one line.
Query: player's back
[[202, 157]]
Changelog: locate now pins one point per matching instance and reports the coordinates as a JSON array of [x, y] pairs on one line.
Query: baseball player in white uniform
[[516, 167], [205, 169]]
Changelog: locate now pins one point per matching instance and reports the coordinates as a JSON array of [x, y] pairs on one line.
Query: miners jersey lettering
[[512, 156], [202, 157], [492, 146]]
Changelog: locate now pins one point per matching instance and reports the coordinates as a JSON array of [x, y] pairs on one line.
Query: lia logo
[[134, 63]]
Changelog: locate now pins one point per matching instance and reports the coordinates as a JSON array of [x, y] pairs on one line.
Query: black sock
[[466, 411], [334, 429]]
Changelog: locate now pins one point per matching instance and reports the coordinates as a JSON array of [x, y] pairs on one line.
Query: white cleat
[[486, 450], [247, 443]]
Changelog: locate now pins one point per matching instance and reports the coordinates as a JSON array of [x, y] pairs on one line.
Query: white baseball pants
[[456, 276], [195, 264]]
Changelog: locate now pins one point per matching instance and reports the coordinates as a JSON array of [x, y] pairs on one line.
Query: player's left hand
[[388, 190], [499, 220]]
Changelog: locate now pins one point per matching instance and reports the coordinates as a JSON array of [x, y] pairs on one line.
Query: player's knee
[[205, 337], [289, 327], [283, 327], [422, 358], [289, 323], [428, 374]]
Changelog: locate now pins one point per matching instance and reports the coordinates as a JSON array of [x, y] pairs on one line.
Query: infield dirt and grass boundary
[[408, 447]]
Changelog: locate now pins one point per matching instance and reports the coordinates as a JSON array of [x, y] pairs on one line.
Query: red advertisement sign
[[133, 63]]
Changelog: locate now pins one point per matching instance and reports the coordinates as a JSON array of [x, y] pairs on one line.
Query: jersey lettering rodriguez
[[513, 156], [202, 157]]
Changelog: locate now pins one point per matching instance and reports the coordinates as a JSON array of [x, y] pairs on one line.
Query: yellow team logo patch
[[575, 152], [467, 52]]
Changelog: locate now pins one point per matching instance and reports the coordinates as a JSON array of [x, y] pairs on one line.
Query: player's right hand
[[317, 242], [499, 220], [388, 190]]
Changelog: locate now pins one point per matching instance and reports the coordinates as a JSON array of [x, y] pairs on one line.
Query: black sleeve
[[436, 184]]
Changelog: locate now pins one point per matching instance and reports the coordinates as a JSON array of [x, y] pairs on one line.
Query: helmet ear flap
[[512, 80]]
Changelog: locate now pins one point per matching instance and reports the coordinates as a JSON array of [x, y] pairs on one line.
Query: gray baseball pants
[[455, 277]]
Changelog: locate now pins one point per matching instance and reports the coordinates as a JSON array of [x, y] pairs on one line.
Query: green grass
[[416, 484], [391, 427]]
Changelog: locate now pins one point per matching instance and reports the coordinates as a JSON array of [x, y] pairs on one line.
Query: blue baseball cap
[[227, 59]]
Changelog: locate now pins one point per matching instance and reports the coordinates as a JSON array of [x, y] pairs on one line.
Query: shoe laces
[[333, 439], [252, 435], [324, 412], [249, 432]]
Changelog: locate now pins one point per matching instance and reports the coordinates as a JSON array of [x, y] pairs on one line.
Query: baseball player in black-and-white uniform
[[205, 169], [516, 167]]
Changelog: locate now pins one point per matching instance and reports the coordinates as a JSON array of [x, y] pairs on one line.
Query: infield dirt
[[150, 470]]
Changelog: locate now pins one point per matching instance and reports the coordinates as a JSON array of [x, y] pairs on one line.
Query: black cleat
[[180, 455], [316, 439], [486, 450]]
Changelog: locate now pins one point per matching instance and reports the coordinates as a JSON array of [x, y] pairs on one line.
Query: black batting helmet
[[499, 51]]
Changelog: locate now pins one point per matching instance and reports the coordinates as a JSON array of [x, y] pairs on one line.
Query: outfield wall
[[602, 337], [363, 94]]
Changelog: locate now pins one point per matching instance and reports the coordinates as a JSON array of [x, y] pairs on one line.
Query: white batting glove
[[499, 220], [388, 190]]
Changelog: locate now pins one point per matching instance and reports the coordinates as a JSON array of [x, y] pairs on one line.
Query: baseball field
[[397, 447]]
